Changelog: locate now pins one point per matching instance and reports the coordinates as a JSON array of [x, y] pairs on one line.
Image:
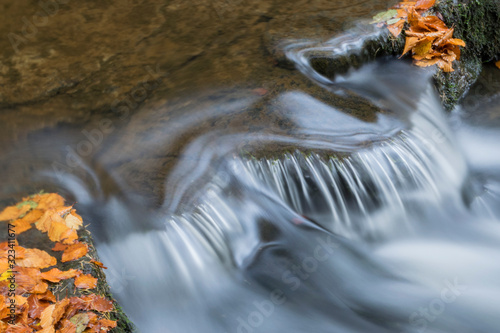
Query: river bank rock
[[72, 278]]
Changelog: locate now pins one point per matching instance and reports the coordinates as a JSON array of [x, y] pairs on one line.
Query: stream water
[[326, 222]]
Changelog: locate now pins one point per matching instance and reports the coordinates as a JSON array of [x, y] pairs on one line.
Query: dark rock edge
[[477, 22]]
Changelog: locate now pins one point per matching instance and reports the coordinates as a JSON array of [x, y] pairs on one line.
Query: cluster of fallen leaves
[[37, 309], [428, 38]]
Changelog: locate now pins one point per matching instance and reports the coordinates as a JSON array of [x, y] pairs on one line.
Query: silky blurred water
[[382, 225]]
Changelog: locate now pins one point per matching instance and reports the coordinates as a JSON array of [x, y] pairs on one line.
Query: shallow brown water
[[218, 62]]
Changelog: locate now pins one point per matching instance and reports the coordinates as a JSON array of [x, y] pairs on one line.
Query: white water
[[393, 227]]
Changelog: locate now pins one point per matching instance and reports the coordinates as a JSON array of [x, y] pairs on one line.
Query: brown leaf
[[75, 251], [410, 44], [49, 200], [69, 236], [396, 28], [424, 4], [55, 275], [49, 329], [423, 47], [446, 36], [80, 321], [455, 41], [46, 318], [107, 323], [446, 66], [51, 215], [37, 259], [73, 221], [56, 230], [13, 212], [426, 62], [68, 327], [18, 328], [86, 282], [59, 247], [98, 263], [97, 303], [434, 22], [59, 309]]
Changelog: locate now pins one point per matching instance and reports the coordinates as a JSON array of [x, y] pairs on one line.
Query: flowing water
[[387, 223]]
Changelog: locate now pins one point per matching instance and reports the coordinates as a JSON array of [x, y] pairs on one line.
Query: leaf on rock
[[98, 263], [424, 4], [426, 62], [80, 321], [46, 318], [396, 28], [75, 251], [410, 44], [59, 247], [51, 215], [86, 281], [97, 303], [55, 275], [423, 46], [13, 212], [73, 221], [384, 16], [36, 258], [49, 200]]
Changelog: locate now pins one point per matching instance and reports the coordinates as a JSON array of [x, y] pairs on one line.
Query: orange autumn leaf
[[396, 28], [67, 327], [69, 237], [497, 64], [423, 46], [73, 221], [55, 275], [410, 44], [428, 38], [50, 215], [425, 4], [46, 319], [37, 259], [86, 281], [426, 62], [13, 212], [19, 328], [55, 231], [49, 329], [107, 323], [97, 303], [49, 200], [59, 247], [74, 251], [98, 263], [59, 309]]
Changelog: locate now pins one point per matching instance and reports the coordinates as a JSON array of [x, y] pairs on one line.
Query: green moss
[[477, 23]]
